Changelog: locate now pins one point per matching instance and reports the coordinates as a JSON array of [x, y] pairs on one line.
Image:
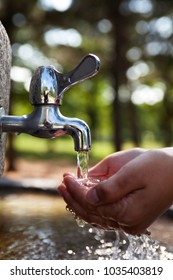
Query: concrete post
[[5, 66]]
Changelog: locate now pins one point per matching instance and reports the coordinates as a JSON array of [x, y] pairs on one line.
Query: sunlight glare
[[59, 5], [141, 6], [139, 69], [147, 95], [104, 25], [164, 27], [69, 37], [20, 74], [157, 48], [134, 54]]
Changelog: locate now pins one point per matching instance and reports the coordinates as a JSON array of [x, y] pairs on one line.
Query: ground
[[39, 169]]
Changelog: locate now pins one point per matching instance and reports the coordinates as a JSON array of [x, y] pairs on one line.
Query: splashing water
[[125, 246]]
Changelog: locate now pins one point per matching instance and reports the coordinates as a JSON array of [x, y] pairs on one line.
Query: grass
[[32, 148], [62, 148]]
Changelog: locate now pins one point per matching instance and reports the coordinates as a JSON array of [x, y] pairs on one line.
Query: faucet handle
[[88, 67], [48, 85]]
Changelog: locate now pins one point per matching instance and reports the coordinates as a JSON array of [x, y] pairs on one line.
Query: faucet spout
[[48, 122], [80, 132]]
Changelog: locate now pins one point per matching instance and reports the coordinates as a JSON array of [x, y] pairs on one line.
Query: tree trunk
[[115, 71], [5, 66], [133, 122], [119, 65]]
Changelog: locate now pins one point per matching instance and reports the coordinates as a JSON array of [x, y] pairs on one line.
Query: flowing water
[[82, 164], [82, 175]]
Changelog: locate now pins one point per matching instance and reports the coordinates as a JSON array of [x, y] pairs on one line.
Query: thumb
[[124, 182]]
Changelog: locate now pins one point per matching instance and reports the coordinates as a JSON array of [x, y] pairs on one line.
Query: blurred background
[[129, 103]]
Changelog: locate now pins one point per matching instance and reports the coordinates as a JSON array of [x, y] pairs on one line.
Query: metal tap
[[46, 93]]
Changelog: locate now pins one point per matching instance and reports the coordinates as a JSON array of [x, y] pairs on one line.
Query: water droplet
[[71, 252], [81, 223]]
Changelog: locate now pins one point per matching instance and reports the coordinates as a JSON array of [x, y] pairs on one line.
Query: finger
[[71, 203], [78, 192], [75, 188], [107, 167], [112, 163], [125, 181], [99, 171], [88, 216], [112, 211], [69, 174], [63, 192]]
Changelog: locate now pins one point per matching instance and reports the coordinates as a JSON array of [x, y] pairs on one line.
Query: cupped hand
[[135, 189], [75, 193]]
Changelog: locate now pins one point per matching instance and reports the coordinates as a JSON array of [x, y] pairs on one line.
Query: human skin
[[135, 188]]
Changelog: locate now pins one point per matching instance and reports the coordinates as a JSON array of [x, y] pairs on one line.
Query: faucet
[[46, 93]]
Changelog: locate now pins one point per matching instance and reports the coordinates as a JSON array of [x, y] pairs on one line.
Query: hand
[[136, 189], [74, 192]]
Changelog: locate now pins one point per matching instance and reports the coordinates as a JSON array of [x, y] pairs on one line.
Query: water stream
[[82, 164]]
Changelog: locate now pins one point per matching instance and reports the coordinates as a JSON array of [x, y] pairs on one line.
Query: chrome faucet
[[46, 93]]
